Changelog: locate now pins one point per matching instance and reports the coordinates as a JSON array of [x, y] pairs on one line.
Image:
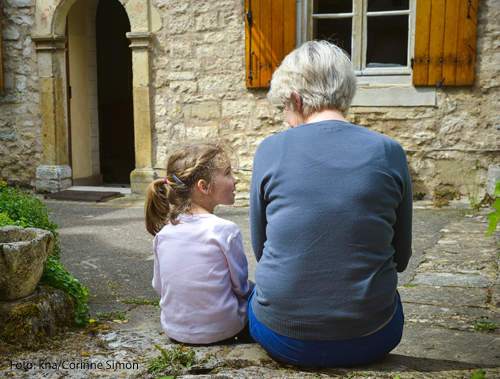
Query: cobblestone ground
[[450, 293]]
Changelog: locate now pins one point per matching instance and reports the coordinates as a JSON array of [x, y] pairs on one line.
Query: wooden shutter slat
[[466, 49], [446, 34], [438, 9], [270, 37], [253, 58], [289, 18], [257, 36], [422, 42], [266, 42], [248, 67], [450, 43]]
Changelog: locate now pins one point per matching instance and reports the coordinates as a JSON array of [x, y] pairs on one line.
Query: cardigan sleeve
[[258, 204], [403, 226]]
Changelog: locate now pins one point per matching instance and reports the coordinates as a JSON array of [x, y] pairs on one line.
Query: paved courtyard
[[451, 285]]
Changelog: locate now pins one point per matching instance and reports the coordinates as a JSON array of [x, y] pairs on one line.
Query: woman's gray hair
[[319, 73]]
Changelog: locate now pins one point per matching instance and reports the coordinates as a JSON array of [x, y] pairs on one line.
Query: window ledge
[[396, 96]]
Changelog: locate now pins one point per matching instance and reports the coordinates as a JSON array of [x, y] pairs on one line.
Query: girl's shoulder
[[204, 221], [222, 223]]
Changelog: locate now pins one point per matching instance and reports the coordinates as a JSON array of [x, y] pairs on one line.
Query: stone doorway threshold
[[106, 188], [81, 193]]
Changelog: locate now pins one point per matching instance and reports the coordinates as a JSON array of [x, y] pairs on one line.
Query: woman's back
[[334, 195]]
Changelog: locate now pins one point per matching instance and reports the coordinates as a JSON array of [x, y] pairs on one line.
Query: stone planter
[[23, 253]]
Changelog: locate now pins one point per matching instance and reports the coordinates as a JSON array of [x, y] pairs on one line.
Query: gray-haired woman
[[331, 218]]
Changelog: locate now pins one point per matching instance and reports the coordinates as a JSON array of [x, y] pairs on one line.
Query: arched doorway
[[54, 172], [100, 105], [115, 104]]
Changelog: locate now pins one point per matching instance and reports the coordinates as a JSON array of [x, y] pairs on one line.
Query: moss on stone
[[27, 322]]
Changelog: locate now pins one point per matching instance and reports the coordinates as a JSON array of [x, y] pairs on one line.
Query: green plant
[[473, 186], [142, 302], [24, 210], [485, 326], [27, 211], [55, 275], [177, 357], [480, 374], [494, 216], [116, 315], [6, 220]]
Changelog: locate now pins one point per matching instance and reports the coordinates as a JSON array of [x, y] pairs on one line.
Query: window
[[391, 42], [376, 34]]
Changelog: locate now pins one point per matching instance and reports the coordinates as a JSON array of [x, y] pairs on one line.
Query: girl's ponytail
[[156, 207]]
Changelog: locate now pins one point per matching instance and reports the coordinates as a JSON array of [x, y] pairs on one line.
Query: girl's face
[[224, 185]]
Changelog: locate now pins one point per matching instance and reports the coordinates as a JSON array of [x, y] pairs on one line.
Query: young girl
[[200, 268]]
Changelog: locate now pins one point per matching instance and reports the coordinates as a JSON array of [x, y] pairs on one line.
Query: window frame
[[359, 14]]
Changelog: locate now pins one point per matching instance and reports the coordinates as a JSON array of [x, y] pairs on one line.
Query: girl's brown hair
[[167, 198]]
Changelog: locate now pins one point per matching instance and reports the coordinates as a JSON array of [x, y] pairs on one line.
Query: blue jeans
[[351, 352]]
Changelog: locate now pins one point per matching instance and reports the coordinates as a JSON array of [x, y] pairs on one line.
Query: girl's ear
[[202, 186]]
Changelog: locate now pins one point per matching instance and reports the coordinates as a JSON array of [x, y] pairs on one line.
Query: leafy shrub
[[24, 210], [55, 275], [27, 211], [5, 220]]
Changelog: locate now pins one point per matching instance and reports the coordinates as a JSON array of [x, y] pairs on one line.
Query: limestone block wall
[[199, 83], [20, 115], [465, 117], [199, 93]]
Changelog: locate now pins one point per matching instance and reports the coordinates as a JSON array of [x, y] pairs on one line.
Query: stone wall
[[199, 93], [199, 82], [20, 116], [465, 117]]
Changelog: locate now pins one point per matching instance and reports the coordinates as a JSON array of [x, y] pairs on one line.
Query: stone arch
[[51, 16], [54, 172]]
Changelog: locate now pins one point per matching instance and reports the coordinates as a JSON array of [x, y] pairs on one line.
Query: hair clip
[[178, 181], [164, 180]]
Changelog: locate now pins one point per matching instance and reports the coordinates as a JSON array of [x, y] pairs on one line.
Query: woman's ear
[[297, 102], [202, 186]]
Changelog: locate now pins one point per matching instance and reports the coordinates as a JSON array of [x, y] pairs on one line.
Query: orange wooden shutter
[[269, 37], [445, 42], [2, 83]]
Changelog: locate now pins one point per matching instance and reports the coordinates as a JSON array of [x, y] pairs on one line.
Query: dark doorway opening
[[114, 75]]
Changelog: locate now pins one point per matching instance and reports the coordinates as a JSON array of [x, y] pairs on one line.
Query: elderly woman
[[331, 218]]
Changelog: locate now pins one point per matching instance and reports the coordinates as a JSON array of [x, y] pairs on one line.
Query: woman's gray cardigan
[[331, 225]]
